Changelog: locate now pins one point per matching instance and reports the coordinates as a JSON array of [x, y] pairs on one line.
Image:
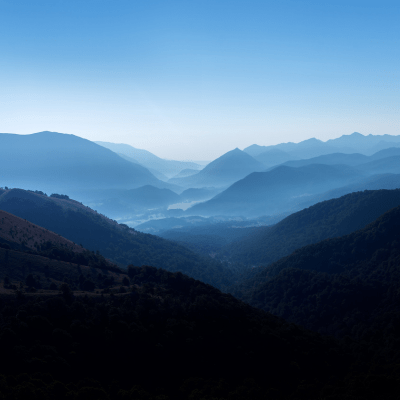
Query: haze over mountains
[[354, 143], [272, 192], [59, 162], [223, 171], [327, 219], [119, 243], [105, 180], [169, 168], [308, 243]]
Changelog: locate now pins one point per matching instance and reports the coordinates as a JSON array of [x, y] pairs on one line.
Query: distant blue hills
[[223, 171], [267, 193], [168, 168], [114, 177], [354, 143], [60, 162]]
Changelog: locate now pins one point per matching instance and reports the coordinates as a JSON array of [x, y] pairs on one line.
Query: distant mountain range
[[186, 172], [286, 187], [159, 175], [223, 171], [354, 143], [168, 168], [354, 159], [272, 192], [61, 163]]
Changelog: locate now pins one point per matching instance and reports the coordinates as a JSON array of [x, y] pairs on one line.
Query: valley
[[271, 272]]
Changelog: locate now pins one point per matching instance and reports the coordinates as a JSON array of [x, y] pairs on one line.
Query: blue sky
[[194, 79]]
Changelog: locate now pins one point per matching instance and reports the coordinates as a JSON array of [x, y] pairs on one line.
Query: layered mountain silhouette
[[118, 243], [356, 159], [198, 194], [168, 168], [340, 286], [121, 202], [186, 172], [56, 162], [273, 157], [331, 159], [328, 219], [374, 182], [271, 192], [382, 166], [155, 172], [348, 144], [223, 171]]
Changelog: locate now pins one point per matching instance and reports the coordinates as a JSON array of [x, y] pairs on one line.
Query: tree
[[125, 281], [66, 291], [132, 271]]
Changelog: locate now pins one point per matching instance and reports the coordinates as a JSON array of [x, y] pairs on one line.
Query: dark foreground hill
[[37, 259], [116, 242], [328, 219], [341, 286], [171, 337]]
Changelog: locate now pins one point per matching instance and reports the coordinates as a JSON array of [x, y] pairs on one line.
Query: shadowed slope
[[341, 286], [119, 243], [329, 219]]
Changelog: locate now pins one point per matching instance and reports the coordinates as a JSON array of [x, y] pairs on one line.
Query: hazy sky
[[196, 78]]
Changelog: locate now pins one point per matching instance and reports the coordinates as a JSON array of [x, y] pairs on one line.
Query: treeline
[[171, 337], [328, 219], [118, 243], [346, 286]]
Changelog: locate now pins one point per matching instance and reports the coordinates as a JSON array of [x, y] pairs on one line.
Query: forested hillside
[[328, 219], [341, 286], [119, 243], [171, 337]]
